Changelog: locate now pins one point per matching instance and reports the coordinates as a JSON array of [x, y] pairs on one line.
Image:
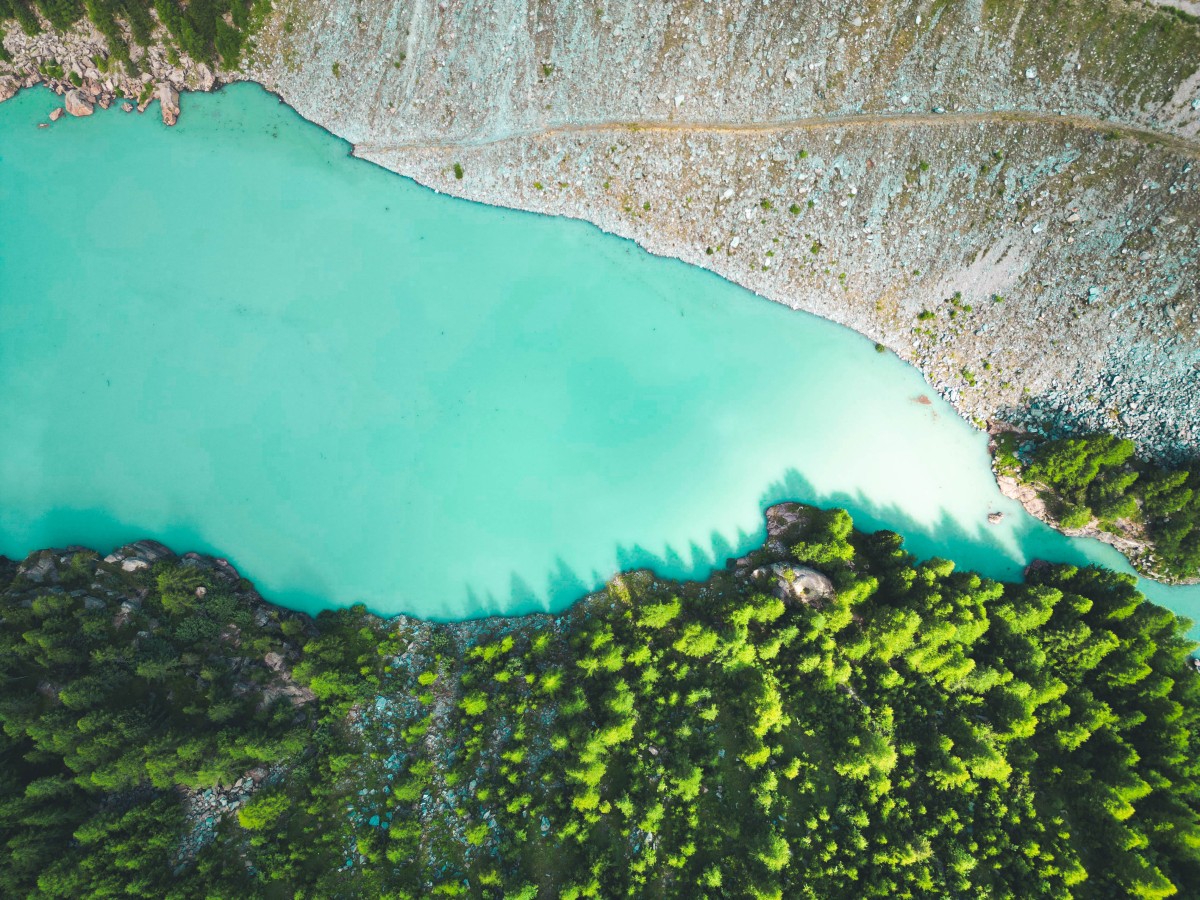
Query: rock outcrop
[[796, 583], [168, 100], [78, 103]]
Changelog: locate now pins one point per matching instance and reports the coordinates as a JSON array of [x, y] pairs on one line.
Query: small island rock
[[56, 113], [78, 103]]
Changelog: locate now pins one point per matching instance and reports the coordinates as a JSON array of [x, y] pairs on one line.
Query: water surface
[[231, 337]]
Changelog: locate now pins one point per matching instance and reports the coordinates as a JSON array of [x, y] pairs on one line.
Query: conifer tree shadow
[[983, 547]]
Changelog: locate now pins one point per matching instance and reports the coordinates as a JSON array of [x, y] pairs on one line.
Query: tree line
[[198, 28], [916, 731], [1098, 479]]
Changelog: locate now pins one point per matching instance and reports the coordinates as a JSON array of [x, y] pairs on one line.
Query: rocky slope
[[1005, 194]]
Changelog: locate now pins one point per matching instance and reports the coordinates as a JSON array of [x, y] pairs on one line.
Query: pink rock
[[78, 104], [56, 113]]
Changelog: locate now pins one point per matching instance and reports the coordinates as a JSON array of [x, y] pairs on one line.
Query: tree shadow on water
[[997, 551]]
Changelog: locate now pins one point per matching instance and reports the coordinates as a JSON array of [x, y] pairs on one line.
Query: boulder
[[78, 103], [794, 582], [40, 568], [56, 113], [168, 99], [150, 551]]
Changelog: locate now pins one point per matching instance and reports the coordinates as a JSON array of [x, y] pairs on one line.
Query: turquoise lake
[[232, 337]]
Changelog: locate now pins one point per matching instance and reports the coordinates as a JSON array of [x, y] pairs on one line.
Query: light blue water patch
[[231, 337]]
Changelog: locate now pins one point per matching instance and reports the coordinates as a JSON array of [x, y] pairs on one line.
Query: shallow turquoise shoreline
[[230, 336]]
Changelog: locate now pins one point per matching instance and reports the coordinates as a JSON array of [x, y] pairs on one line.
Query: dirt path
[[1185, 146]]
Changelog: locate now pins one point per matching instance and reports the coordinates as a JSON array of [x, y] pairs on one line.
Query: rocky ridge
[[1005, 195]]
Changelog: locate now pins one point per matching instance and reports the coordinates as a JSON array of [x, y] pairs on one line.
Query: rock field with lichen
[[1005, 194]]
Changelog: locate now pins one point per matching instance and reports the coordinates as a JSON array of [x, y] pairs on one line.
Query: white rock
[[1031, 73], [734, 243]]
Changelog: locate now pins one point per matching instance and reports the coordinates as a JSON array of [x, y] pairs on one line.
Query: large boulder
[[796, 583], [168, 99], [78, 103], [139, 555]]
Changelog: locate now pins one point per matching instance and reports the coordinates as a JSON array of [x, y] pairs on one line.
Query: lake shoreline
[[1022, 376]]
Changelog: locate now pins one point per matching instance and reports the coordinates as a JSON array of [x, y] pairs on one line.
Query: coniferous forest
[[207, 30], [827, 717]]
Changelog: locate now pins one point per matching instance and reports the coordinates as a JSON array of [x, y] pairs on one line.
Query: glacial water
[[231, 337]]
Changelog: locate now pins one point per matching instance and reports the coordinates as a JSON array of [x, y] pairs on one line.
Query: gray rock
[[168, 99], [39, 568], [134, 564], [794, 582]]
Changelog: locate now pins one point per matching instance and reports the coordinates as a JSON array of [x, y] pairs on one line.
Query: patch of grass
[[925, 315], [337, 70], [458, 171], [794, 209]]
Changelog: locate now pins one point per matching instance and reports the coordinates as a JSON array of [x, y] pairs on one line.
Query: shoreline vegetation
[[208, 31], [826, 717], [1095, 486]]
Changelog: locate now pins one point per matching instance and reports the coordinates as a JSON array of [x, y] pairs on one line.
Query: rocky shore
[[1007, 198]]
